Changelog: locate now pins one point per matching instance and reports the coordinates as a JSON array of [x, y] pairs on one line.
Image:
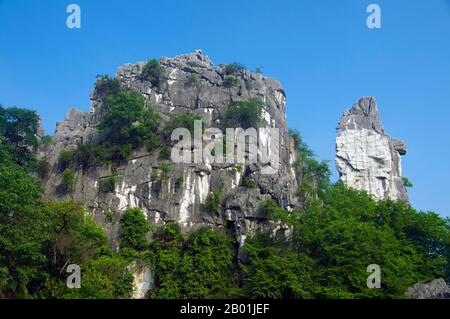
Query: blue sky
[[321, 51]]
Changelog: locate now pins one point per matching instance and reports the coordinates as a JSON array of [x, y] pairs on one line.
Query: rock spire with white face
[[366, 157]]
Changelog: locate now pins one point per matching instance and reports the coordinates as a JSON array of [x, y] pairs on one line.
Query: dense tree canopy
[[18, 133], [339, 237]]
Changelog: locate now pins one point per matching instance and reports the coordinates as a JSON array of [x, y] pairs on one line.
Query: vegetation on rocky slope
[[324, 253]]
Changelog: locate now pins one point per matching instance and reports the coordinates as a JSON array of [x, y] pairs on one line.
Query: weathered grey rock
[[366, 157], [143, 279], [435, 289], [172, 200]]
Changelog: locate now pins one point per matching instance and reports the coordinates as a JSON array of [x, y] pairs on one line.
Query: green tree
[[275, 270], [313, 176], [243, 114], [73, 236], [153, 72], [18, 132], [200, 267], [67, 183], [65, 158], [43, 168], [133, 230], [186, 121], [207, 269], [107, 185], [166, 253], [341, 237], [127, 121], [106, 277], [22, 231], [105, 85]]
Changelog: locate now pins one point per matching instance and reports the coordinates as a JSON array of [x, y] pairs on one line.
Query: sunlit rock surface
[[366, 157], [169, 200]]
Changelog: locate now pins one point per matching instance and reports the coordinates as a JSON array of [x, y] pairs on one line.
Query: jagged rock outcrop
[[172, 200], [366, 157], [435, 289]]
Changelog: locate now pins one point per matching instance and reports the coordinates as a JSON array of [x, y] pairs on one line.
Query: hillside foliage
[[322, 251]]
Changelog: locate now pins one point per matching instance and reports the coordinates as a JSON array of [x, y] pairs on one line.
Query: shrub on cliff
[[107, 185], [67, 181], [128, 121], [234, 68], [153, 72], [105, 85], [65, 158], [246, 114], [43, 168], [180, 121], [213, 201], [314, 175]]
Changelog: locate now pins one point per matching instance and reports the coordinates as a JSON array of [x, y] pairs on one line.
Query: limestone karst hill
[[190, 84]]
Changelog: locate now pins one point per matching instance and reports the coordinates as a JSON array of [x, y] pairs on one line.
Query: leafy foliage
[[199, 267], [43, 168], [165, 153], [88, 155], [67, 181], [162, 173], [21, 231], [193, 80], [186, 121], [243, 114], [213, 201], [106, 85], [249, 182], [104, 278], [275, 270], [234, 68], [133, 230], [314, 176], [339, 239], [65, 158], [128, 124], [406, 182], [18, 129], [107, 185], [153, 72], [120, 121]]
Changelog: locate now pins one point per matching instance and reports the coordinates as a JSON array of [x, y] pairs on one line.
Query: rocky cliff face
[[366, 157], [434, 289], [172, 200]]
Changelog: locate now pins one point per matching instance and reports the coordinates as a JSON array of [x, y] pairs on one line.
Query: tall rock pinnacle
[[366, 157]]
